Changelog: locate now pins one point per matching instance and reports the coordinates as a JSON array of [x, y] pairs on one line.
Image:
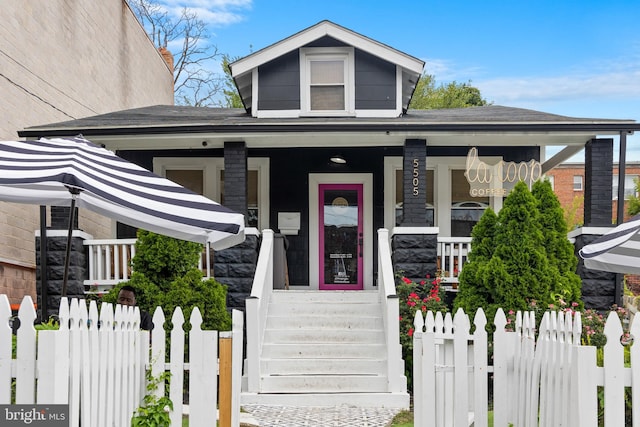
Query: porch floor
[[344, 416]]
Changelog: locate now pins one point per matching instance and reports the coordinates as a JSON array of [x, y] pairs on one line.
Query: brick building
[[568, 182], [64, 60]]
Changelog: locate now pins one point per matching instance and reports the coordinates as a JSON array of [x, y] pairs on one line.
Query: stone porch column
[[236, 266], [600, 290], [414, 249]]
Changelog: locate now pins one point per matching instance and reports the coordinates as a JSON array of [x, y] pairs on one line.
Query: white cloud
[[212, 12], [620, 84]]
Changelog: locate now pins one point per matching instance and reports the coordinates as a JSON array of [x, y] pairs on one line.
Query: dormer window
[[327, 76]]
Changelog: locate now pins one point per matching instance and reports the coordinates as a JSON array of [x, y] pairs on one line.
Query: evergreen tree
[[519, 248], [510, 268], [560, 251], [472, 293]]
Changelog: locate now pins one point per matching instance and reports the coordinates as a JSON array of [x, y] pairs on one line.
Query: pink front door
[[341, 238]]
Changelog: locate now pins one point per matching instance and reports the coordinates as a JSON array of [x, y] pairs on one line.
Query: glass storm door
[[341, 239]]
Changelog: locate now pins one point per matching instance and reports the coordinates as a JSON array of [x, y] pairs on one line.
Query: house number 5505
[[416, 173]]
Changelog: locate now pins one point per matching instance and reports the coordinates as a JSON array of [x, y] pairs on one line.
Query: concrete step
[[324, 384], [355, 297], [310, 309], [323, 351], [323, 335], [341, 366], [333, 322]]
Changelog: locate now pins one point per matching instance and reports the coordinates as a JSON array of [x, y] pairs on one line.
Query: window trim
[[345, 54], [581, 183], [442, 188], [211, 167], [615, 185]]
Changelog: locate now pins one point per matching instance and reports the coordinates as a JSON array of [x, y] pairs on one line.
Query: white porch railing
[[391, 314], [452, 255], [256, 309], [110, 263]]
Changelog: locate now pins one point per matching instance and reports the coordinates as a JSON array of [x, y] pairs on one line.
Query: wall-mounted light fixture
[[338, 159]]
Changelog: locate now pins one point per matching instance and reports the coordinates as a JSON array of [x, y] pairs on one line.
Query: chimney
[[168, 57]]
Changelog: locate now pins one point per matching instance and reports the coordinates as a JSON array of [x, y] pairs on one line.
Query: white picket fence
[[549, 381], [96, 363]]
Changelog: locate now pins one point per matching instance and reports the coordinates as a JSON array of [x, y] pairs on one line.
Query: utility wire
[[35, 96], [45, 82]]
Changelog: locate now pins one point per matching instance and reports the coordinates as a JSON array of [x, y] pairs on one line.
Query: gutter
[[628, 128]]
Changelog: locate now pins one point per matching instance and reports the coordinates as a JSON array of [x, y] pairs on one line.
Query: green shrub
[[425, 296], [166, 274]]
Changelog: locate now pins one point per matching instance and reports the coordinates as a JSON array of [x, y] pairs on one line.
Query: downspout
[[622, 159]]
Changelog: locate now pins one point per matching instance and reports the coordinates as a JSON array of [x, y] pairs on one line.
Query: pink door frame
[[359, 188]]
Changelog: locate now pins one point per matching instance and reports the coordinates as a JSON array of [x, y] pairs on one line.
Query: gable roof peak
[[317, 31]]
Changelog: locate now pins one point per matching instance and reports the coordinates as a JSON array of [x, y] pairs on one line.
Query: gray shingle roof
[[170, 118]]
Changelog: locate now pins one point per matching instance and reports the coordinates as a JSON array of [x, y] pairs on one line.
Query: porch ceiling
[[339, 139]]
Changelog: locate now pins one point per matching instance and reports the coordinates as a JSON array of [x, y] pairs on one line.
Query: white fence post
[[203, 389], [236, 376]]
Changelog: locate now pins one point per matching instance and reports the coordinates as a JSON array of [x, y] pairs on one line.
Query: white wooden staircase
[[322, 348], [325, 348]]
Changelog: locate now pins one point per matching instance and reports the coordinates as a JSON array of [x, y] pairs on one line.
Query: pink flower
[[410, 333], [407, 281]]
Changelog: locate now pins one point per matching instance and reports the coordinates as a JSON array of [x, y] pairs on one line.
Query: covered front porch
[[342, 346]]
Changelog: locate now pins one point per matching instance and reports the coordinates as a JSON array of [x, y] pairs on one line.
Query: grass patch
[[402, 419], [405, 419]]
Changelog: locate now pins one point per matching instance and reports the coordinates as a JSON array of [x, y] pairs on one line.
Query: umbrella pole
[[65, 277], [44, 283]]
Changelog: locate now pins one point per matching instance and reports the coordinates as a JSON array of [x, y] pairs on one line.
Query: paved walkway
[[343, 416]]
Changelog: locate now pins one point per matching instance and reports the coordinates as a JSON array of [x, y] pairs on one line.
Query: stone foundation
[[78, 265], [415, 255], [235, 267]]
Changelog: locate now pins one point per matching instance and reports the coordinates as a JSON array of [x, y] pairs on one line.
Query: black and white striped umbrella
[[76, 172], [617, 251]]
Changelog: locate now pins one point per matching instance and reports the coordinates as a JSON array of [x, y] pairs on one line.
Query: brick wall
[[64, 60], [563, 185]]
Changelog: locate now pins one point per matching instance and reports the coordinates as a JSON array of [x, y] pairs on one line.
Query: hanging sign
[[487, 180]]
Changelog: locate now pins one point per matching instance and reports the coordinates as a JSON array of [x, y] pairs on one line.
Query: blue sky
[[577, 58]]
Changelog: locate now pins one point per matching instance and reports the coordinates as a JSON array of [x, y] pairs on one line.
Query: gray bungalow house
[[327, 161]]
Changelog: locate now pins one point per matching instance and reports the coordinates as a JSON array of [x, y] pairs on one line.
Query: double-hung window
[[327, 81]]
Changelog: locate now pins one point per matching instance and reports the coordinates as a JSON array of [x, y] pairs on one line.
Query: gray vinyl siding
[[279, 83], [375, 83]]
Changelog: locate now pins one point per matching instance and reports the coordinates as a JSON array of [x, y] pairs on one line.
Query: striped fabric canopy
[[618, 251], [48, 171]]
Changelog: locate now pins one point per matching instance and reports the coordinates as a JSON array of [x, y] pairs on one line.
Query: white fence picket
[[5, 351], [613, 372], [26, 353], [96, 362], [551, 381], [203, 393], [176, 362]]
